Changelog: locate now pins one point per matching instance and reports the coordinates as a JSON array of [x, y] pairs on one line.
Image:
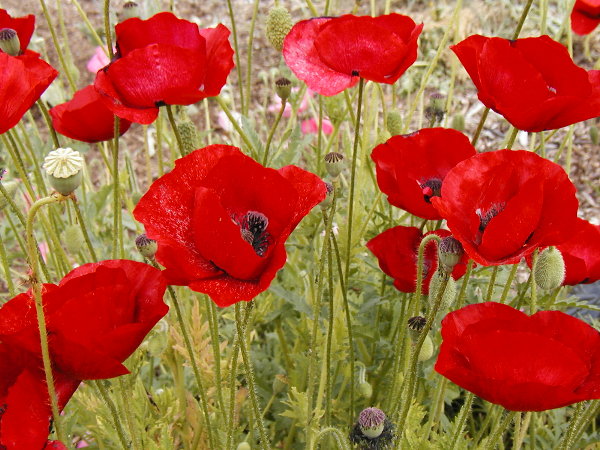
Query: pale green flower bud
[[550, 269]]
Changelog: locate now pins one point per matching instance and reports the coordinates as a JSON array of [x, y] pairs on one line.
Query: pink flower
[[98, 60], [312, 126]]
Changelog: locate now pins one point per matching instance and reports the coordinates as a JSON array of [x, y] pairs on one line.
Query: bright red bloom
[[502, 205], [411, 168], [86, 118], [163, 60], [396, 250], [581, 253], [96, 317], [524, 363], [585, 16], [331, 54], [23, 78], [22, 25], [221, 221], [532, 82]]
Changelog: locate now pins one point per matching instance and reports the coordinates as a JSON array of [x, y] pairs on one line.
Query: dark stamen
[[253, 227], [484, 218], [431, 188]]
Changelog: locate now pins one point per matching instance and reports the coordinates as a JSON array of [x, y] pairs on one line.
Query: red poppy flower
[[23, 26], [96, 317], [221, 221], [86, 118], [532, 82], [581, 253], [23, 78], [411, 168], [396, 250], [585, 16], [330, 54], [163, 60], [502, 205], [524, 363]]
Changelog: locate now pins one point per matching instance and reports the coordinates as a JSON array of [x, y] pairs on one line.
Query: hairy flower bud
[[426, 351], [280, 383], [394, 123], [64, 167], [283, 88], [365, 389], [436, 284], [334, 163], [9, 42], [279, 24], [450, 252], [11, 188], [549, 269], [244, 446], [146, 246], [335, 107], [189, 136], [458, 122], [73, 238]]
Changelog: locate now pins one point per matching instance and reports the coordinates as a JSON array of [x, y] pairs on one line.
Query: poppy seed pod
[[283, 88], [334, 163], [394, 123], [146, 246], [130, 10], [371, 421], [63, 167], [279, 24], [550, 269], [450, 252], [415, 325], [9, 42]]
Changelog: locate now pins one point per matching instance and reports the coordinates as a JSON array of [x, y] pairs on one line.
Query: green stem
[[264, 440], [107, 31], [86, 236], [6, 268], [238, 66], [48, 120], [482, 120], [461, 420], [522, 19], [128, 416], [414, 357], [113, 411], [491, 284], [175, 130], [508, 283], [213, 319], [511, 138], [361, 86], [117, 224], [500, 429], [272, 131], [465, 283], [236, 125], [533, 300], [37, 293], [590, 414], [249, 49], [340, 438], [567, 440], [328, 382], [416, 302]]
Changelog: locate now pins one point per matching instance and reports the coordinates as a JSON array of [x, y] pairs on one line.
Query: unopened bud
[[11, 188], [280, 383], [438, 281], [382, 137], [550, 269], [129, 11], [450, 252], [9, 42], [328, 200], [594, 134], [435, 110], [334, 163], [365, 389], [279, 24], [426, 351], [283, 88], [64, 167], [394, 123], [458, 122], [371, 422], [73, 238], [244, 446], [189, 136], [335, 108], [146, 246]]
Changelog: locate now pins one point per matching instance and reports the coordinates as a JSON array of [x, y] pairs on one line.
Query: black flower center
[[253, 226], [431, 188], [485, 217]]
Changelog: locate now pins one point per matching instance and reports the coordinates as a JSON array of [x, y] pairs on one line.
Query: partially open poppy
[[86, 118], [96, 317], [502, 205], [524, 363], [330, 54], [532, 82], [411, 168], [221, 221], [163, 61], [585, 16], [24, 76], [397, 249], [581, 253]]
